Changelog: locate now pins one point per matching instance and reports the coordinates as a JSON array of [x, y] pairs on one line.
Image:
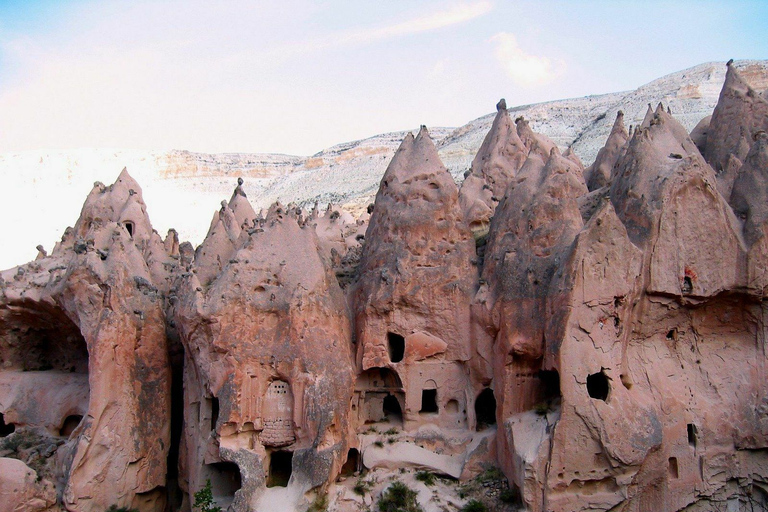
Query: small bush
[[474, 506], [379, 444], [361, 487], [204, 499], [541, 408], [320, 504], [392, 432], [510, 495], [399, 498], [426, 477], [392, 440], [492, 474]]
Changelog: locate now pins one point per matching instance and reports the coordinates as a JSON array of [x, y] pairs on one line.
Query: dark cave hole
[[428, 401], [550, 381], [692, 431], [687, 285], [214, 412], [392, 409], [672, 334], [280, 468], [485, 409], [129, 228], [69, 425], [598, 386], [6, 428], [350, 466], [225, 480], [396, 345]]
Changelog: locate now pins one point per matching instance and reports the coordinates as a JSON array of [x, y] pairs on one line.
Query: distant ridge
[[347, 173]]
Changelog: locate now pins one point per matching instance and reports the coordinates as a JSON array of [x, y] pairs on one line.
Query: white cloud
[[525, 69], [457, 14]]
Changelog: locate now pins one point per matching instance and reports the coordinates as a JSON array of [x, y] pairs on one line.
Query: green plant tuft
[[204, 499], [426, 477], [474, 506], [320, 504], [399, 498]]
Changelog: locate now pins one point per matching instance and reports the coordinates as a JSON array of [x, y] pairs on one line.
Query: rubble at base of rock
[[598, 334]]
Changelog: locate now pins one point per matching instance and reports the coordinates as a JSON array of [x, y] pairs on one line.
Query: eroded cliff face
[[596, 333], [85, 375]]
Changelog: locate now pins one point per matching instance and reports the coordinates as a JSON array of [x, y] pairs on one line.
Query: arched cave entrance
[[41, 348], [352, 463], [70, 424], [396, 346], [379, 394], [485, 409], [225, 482], [280, 468], [391, 409]]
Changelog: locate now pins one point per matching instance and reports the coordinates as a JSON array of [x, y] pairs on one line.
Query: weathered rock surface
[[596, 333], [85, 357]]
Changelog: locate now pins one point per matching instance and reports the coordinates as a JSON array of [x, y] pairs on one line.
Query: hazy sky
[[295, 76]]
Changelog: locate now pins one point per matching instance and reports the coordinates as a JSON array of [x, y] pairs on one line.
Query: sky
[[297, 76]]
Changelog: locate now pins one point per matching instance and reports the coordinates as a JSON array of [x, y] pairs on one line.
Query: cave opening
[[687, 285], [692, 431], [485, 409], [428, 401], [45, 341], [674, 470], [351, 464], [6, 428], [280, 468], [214, 412], [396, 346], [176, 357], [129, 227], [70, 424], [598, 386], [550, 383], [392, 409], [225, 481]]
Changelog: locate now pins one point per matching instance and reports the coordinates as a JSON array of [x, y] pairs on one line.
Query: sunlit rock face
[[412, 301], [85, 373], [268, 363], [597, 333]]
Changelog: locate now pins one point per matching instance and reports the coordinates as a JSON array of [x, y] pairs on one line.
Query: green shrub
[[320, 504], [492, 474], [204, 499], [379, 444], [474, 506], [510, 495], [399, 498], [392, 432], [361, 487], [426, 477]]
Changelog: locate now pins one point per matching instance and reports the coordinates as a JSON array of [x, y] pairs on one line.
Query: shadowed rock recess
[[597, 333]]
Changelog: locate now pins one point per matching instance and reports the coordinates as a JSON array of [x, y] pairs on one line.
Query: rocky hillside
[[181, 186]]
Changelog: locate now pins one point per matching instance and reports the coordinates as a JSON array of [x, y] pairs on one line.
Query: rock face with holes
[[412, 301], [597, 333], [268, 369], [652, 302], [85, 380]]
